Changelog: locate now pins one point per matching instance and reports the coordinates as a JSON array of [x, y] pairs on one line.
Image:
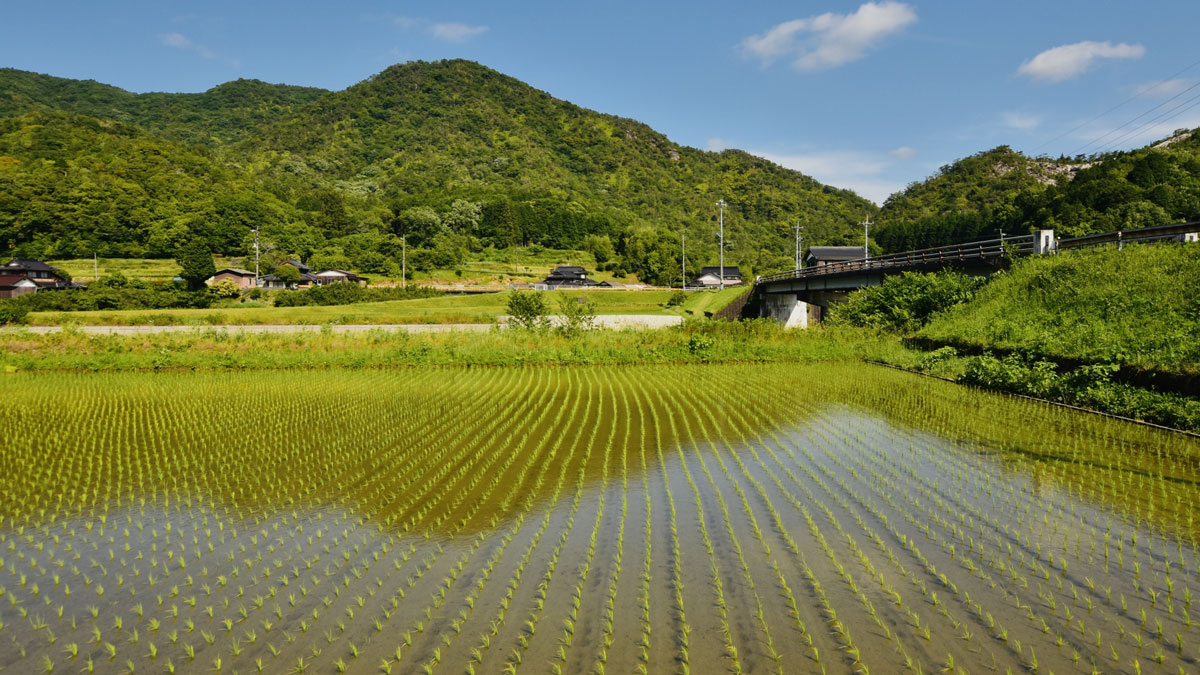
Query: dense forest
[[451, 155], [1003, 190]]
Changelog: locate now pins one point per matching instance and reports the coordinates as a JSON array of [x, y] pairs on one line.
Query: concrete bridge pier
[[789, 310]]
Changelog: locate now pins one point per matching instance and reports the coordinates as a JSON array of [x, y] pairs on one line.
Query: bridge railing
[[1144, 235], [974, 251]]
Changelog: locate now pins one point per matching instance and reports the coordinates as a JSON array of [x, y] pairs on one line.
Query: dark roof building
[[731, 272], [569, 275], [47, 277], [298, 265], [823, 255], [13, 285]]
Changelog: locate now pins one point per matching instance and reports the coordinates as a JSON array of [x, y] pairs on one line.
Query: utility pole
[[799, 239], [256, 256], [403, 262], [721, 219], [866, 232], [683, 261]]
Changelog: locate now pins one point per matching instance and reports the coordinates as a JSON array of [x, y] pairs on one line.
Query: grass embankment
[[694, 342], [1117, 331], [476, 308], [1135, 307]]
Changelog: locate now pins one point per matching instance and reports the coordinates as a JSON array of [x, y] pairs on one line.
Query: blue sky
[[867, 96]]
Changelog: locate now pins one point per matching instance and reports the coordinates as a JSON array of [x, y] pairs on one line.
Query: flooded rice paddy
[[708, 519]]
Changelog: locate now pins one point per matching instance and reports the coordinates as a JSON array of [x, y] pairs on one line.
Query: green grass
[[693, 342], [150, 269], [1136, 306], [478, 308]]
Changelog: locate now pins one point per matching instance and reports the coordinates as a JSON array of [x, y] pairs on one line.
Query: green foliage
[[1091, 386], [348, 293], [677, 298], [527, 310], [1002, 190], [288, 274], [196, 262], [12, 312], [576, 314], [906, 301], [1135, 306], [117, 294], [419, 150], [225, 288]]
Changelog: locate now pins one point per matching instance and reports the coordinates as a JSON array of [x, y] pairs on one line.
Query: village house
[[45, 277], [568, 275], [339, 276], [243, 278], [14, 285], [825, 255], [710, 277]]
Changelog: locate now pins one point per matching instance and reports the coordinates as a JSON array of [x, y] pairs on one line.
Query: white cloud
[[405, 22], [456, 32], [716, 144], [181, 41], [1022, 121], [903, 152], [1162, 88], [856, 171], [829, 39], [1067, 61], [176, 40]]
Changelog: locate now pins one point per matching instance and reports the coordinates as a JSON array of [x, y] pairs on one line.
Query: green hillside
[[452, 155], [1001, 189]]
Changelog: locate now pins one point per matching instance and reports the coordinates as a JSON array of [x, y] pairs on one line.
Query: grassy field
[[664, 519], [474, 308]]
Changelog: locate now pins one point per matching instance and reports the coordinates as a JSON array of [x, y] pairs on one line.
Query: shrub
[[677, 298], [907, 301], [578, 314], [225, 288], [11, 312], [527, 310]]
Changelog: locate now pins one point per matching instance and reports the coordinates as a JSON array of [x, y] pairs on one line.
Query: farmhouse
[[13, 285], [243, 278], [569, 275], [710, 277], [45, 277], [824, 255]]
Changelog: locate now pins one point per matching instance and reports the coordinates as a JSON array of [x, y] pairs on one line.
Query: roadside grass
[[202, 349], [474, 308]]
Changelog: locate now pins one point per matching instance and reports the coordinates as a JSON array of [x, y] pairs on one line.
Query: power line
[[1122, 103], [1110, 133], [1169, 114]]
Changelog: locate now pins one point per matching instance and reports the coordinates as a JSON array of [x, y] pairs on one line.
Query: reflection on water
[[303, 520]]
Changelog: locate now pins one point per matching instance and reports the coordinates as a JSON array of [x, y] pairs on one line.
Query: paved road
[[605, 321]]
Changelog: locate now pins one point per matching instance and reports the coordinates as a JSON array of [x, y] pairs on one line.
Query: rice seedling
[[813, 517]]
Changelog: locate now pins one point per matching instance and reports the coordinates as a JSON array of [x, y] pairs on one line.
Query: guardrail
[[989, 249], [1144, 235]]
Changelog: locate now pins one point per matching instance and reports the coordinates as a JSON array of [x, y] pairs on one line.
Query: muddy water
[[686, 519]]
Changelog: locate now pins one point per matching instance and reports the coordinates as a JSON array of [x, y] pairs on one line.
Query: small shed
[[243, 278], [710, 277], [824, 255], [15, 285]]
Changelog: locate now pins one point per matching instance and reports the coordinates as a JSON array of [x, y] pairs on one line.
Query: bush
[[578, 314], [225, 288], [527, 310], [907, 301], [11, 312], [677, 298]]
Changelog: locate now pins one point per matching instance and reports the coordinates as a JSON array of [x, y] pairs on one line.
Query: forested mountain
[[451, 154], [1000, 189]]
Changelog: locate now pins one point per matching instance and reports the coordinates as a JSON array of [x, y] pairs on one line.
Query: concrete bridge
[[801, 297]]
